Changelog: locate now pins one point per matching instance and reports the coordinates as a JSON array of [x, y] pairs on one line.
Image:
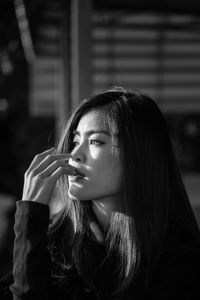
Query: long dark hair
[[154, 198]]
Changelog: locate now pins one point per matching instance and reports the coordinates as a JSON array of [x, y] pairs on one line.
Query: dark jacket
[[177, 275]]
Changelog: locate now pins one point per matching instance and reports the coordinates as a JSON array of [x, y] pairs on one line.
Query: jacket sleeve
[[31, 259]]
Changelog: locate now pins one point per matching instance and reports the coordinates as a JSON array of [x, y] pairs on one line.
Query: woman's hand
[[43, 173]]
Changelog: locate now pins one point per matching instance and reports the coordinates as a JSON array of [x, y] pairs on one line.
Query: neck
[[103, 209]]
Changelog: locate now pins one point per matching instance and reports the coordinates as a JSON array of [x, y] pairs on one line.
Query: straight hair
[[154, 203]]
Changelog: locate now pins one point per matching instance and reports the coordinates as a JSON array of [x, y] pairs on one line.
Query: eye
[[96, 142]]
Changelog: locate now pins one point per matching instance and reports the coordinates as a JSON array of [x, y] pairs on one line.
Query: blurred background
[[55, 53]]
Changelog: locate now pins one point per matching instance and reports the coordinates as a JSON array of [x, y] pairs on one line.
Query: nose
[[78, 155]]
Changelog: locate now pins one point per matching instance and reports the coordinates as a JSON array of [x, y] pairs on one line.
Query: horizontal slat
[[181, 78], [50, 32], [126, 78], [185, 107], [182, 91], [47, 50], [169, 79], [43, 109], [168, 64], [46, 64], [159, 56], [45, 94], [124, 17], [123, 48], [98, 34], [148, 48]]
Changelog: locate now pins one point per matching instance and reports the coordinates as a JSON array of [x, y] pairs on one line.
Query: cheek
[[95, 155], [114, 162], [110, 170], [116, 171]]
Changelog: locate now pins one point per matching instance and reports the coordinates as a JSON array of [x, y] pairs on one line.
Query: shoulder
[[177, 274]]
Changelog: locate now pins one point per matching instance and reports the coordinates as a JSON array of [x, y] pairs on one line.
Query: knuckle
[[56, 163], [26, 174], [40, 177], [27, 171], [37, 156], [60, 170], [49, 158], [32, 173]]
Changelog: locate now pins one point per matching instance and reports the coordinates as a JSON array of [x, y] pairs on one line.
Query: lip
[[74, 178], [77, 175]]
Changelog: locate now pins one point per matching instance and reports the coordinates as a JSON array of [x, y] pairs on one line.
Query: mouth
[[77, 175]]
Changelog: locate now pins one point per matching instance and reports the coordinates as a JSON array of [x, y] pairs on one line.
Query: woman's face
[[95, 154]]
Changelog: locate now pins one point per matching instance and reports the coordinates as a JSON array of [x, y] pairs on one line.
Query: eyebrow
[[90, 132]]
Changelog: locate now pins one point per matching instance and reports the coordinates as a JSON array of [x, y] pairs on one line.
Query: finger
[[56, 175], [67, 169], [58, 159], [39, 157]]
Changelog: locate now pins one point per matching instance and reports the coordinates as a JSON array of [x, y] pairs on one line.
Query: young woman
[[106, 215]]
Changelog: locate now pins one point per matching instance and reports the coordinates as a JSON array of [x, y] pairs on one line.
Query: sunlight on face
[[96, 156]]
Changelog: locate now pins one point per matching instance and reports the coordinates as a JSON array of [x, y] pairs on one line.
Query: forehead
[[94, 119]]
